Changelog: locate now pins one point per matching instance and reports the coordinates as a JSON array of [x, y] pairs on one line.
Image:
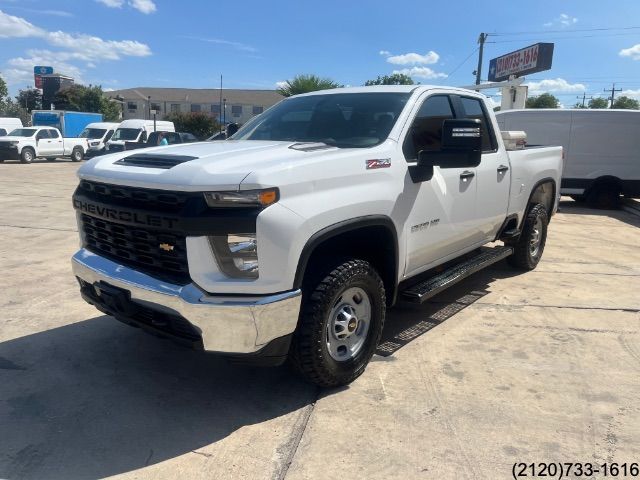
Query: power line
[[581, 30], [463, 62], [613, 91], [565, 38]]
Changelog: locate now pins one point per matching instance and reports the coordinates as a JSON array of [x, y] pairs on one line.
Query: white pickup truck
[[291, 239], [28, 143]]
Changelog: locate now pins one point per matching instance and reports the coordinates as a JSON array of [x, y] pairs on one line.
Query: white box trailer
[[601, 149]]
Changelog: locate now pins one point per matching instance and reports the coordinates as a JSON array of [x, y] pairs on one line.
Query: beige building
[[237, 106]]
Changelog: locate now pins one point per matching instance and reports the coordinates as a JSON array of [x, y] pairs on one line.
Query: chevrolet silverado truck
[[28, 143], [291, 239]]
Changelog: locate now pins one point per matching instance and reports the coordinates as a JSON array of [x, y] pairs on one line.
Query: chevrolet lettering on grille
[[135, 218]]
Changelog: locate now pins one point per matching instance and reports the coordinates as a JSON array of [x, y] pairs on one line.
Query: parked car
[[8, 124], [97, 135], [70, 124], [174, 138], [27, 144], [136, 131], [293, 239], [600, 146]]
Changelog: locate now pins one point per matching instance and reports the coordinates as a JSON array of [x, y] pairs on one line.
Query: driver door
[[441, 218], [43, 142]]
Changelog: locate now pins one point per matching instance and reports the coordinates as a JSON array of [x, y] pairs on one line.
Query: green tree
[[3, 89], [197, 123], [30, 99], [579, 105], [80, 98], [546, 100], [598, 102], [306, 83], [393, 79], [626, 103]]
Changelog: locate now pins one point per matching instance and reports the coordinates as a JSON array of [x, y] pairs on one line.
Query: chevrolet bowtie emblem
[[166, 247]]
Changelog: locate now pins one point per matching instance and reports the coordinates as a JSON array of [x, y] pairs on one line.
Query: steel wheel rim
[[348, 325], [27, 156], [536, 237]]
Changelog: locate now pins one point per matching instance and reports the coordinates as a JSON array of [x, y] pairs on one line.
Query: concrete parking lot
[[505, 367]]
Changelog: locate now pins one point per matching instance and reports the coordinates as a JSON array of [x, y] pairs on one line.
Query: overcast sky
[[256, 44]]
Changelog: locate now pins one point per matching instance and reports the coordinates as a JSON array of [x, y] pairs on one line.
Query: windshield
[[92, 133], [126, 134], [23, 132], [347, 120]]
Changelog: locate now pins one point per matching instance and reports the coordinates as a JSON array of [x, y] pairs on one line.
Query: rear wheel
[[604, 195], [76, 154], [528, 247], [27, 155], [340, 325]]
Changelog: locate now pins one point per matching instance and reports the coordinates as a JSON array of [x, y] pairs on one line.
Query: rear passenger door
[[443, 214], [493, 175]]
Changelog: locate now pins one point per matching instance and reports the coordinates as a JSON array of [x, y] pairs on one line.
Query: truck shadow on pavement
[[96, 398], [406, 321]]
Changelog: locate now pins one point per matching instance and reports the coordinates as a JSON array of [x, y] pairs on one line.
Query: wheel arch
[[372, 238], [544, 192]]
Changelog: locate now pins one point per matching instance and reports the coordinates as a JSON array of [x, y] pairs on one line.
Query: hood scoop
[[154, 160], [310, 146]]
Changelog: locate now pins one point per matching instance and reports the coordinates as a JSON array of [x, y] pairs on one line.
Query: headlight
[[248, 198], [237, 255]]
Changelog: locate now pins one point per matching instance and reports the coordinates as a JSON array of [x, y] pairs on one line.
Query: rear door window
[[53, 134]]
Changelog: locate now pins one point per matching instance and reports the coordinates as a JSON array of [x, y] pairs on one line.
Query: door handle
[[467, 175], [502, 168]]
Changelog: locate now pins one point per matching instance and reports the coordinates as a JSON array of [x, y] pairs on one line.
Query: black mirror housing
[[461, 146]]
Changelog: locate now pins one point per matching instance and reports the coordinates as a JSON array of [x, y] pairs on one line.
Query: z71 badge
[[380, 163]]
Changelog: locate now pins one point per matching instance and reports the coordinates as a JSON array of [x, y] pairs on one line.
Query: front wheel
[[340, 324], [528, 247], [77, 155], [27, 155]]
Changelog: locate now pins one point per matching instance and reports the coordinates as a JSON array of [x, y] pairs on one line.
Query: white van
[[601, 148], [7, 125], [97, 135], [133, 131]]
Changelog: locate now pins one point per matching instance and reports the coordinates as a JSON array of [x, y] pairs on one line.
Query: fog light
[[237, 255]]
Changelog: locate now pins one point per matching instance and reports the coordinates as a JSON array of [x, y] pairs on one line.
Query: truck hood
[[8, 138], [222, 164]]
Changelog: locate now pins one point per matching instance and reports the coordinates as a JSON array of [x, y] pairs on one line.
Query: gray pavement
[[504, 367]]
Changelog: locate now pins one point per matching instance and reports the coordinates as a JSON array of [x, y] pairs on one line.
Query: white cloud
[[631, 93], [83, 48], [219, 41], [384, 53], [11, 26], [112, 3], [282, 84], [428, 58], [563, 20], [144, 6], [633, 52], [421, 72], [557, 85]]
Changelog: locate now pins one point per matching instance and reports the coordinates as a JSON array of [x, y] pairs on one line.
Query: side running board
[[426, 289]]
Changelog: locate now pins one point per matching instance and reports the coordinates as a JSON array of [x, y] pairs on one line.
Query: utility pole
[[220, 114], [613, 91], [481, 40], [584, 98]]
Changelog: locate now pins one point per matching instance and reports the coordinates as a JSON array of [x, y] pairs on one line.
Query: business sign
[[37, 75], [535, 58]]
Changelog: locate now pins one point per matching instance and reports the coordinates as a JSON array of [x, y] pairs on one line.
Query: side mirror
[[461, 146]]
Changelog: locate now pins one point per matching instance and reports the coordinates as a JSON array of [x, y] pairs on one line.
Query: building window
[[236, 110], [195, 107], [215, 108], [175, 108], [132, 105], [257, 110], [156, 107]]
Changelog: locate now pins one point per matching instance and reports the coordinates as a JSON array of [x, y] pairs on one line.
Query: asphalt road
[[504, 368]]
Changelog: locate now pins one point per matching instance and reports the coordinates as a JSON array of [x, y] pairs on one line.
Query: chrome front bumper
[[228, 324]]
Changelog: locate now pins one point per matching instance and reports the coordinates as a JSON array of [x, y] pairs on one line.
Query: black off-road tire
[[604, 195], [77, 155], [27, 155], [524, 257], [309, 354]]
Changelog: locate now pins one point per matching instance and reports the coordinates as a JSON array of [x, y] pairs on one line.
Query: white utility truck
[[291, 239], [28, 143], [9, 124], [135, 131], [601, 148], [97, 135]]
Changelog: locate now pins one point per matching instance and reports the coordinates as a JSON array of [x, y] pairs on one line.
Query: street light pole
[[224, 111]]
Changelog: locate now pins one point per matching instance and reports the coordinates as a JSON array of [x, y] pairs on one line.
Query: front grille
[[148, 199], [160, 254]]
